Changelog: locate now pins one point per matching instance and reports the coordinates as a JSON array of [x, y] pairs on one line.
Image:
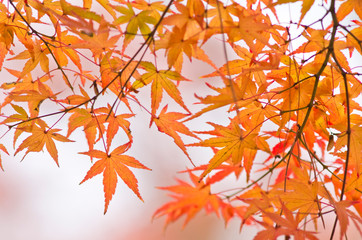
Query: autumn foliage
[[289, 91]]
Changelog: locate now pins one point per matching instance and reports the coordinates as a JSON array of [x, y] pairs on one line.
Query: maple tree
[[289, 91]]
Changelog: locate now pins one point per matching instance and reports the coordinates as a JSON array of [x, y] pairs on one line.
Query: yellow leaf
[[161, 80], [232, 142]]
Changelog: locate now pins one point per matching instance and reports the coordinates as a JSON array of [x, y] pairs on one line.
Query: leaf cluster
[[293, 137]]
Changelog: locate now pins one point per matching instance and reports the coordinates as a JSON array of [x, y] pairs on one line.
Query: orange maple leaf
[[224, 171], [226, 96], [354, 36], [175, 44], [28, 90], [355, 149], [76, 99], [115, 122], [344, 214], [39, 137], [36, 54], [2, 148], [113, 164], [288, 226], [191, 17], [167, 122], [63, 52], [161, 80], [189, 200], [3, 52], [233, 144], [21, 115], [154, 8], [250, 28], [301, 193], [7, 34], [347, 7], [83, 118], [96, 120], [97, 41]]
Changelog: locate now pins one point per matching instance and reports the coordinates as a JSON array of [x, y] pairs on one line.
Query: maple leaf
[[254, 116], [135, 22], [189, 200], [84, 118], [77, 24], [347, 7], [114, 123], [288, 226], [224, 171], [353, 188], [36, 53], [191, 17], [3, 52], [233, 144], [353, 41], [301, 193], [21, 115], [77, 99], [242, 29], [227, 95], [344, 214], [63, 52], [154, 7], [33, 97], [245, 64], [218, 11], [355, 149], [2, 148], [28, 90], [97, 41], [6, 37], [112, 68], [256, 198], [94, 121], [72, 10], [317, 43], [175, 44], [46, 7], [39, 137], [7, 31], [107, 6], [295, 93], [113, 164], [229, 211], [167, 122], [161, 80]]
